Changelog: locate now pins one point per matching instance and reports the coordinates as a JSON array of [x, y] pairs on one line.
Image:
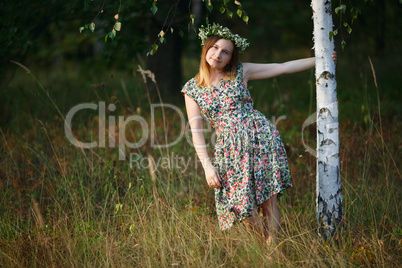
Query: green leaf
[[245, 18], [355, 14], [345, 24], [181, 33], [171, 30], [331, 34], [106, 36], [239, 12], [81, 29], [192, 16], [209, 6], [349, 30], [117, 26], [343, 44], [92, 26], [154, 49], [341, 8], [162, 40], [154, 9], [229, 13], [226, 2], [112, 34], [336, 32]]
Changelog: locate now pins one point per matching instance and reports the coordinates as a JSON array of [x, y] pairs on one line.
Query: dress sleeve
[[190, 90]]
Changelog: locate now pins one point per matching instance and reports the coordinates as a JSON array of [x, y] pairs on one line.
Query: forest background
[[60, 204]]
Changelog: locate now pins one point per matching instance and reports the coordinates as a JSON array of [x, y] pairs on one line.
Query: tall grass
[[62, 206]]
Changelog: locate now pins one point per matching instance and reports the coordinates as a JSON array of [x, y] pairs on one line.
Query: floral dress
[[249, 154]]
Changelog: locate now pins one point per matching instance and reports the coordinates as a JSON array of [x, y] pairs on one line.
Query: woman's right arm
[[197, 131]]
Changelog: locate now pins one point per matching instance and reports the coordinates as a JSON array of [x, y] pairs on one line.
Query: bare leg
[[271, 219], [254, 223]]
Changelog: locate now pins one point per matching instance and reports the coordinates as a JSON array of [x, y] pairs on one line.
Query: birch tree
[[329, 193]]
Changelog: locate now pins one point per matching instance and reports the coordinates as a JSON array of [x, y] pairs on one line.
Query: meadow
[[66, 206]]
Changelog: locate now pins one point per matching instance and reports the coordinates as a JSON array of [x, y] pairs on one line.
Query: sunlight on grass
[[63, 206]]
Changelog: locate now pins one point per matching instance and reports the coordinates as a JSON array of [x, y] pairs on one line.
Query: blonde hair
[[203, 76]]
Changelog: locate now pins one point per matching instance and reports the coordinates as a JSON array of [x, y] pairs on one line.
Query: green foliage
[[112, 34], [154, 8], [92, 26], [50, 31], [87, 28], [341, 8], [153, 50], [343, 44], [226, 8], [341, 11], [117, 26]]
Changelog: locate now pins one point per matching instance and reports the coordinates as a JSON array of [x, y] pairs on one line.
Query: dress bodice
[[223, 106]]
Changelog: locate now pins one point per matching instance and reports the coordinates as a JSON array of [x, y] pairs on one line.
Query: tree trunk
[[166, 63], [329, 195]]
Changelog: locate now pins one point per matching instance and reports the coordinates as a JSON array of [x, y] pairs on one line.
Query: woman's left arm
[[255, 71]]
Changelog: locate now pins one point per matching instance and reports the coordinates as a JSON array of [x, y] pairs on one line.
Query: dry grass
[[62, 206]]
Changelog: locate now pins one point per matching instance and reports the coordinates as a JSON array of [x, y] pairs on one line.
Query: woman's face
[[220, 54]]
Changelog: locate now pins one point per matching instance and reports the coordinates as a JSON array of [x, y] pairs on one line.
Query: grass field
[[66, 206]]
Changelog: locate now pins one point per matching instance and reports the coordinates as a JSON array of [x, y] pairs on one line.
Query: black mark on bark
[[327, 142], [324, 113], [328, 8], [326, 75]]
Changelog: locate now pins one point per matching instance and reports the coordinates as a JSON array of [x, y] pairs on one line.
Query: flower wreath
[[224, 32]]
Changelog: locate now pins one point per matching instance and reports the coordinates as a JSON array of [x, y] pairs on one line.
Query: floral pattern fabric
[[249, 154]]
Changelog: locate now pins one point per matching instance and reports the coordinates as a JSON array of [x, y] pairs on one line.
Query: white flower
[[224, 32]]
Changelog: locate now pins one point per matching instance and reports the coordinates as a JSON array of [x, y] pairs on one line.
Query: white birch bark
[[329, 194]]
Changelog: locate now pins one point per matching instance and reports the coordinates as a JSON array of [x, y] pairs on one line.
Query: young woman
[[250, 167]]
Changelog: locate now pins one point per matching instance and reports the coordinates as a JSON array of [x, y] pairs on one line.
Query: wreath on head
[[224, 32]]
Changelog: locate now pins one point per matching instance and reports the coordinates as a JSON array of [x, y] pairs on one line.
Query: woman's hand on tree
[[334, 57], [212, 177]]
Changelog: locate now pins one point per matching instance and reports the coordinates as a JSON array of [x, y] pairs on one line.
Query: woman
[[250, 166]]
